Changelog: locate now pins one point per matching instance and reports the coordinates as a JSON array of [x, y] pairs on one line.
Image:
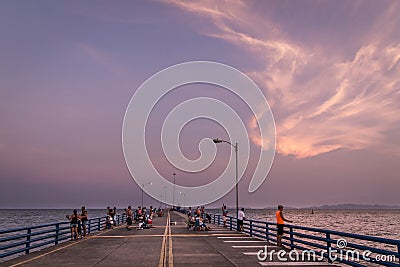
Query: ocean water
[[379, 223], [30, 217]]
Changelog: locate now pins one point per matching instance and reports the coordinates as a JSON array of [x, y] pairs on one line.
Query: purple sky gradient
[[329, 70]]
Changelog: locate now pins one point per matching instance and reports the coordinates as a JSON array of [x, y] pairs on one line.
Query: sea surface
[[30, 217], [379, 223]]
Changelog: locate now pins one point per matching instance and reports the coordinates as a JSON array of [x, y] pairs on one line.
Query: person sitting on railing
[[109, 222], [280, 221], [113, 215]]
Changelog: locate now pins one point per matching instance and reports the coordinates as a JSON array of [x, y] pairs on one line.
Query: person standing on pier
[[224, 214], [129, 218], [241, 217], [84, 218], [280, 222], [74, 224]]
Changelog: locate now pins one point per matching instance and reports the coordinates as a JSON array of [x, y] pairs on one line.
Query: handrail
[[304, 238], [26, 239]]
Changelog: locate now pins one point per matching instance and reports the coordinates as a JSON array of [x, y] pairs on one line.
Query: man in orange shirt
[[280, 221]]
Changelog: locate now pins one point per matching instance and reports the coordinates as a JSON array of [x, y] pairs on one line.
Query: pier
[[167, 243], [170, 243]]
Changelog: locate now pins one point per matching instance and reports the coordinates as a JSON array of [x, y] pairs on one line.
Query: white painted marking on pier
[[226, 234], [235, 237], [254, 247], [250, 253]]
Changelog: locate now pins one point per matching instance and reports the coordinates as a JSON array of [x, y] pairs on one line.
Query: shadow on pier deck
[[162, 245]]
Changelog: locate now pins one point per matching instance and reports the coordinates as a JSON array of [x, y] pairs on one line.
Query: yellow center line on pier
[[163, 252], [138, 236], [170, 254], [58, 249]]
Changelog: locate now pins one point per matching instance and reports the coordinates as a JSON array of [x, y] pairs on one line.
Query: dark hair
[[280, 207], [242, 209], [75, 212]]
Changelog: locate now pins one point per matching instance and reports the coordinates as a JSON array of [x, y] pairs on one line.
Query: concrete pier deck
[[166, 244]]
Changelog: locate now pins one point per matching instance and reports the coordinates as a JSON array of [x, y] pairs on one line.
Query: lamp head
[[216, 141]]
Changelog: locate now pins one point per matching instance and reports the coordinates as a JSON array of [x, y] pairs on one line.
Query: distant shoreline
[[322, 207]]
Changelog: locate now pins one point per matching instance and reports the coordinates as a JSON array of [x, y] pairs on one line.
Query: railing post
[[88, 225], [291, 237], [251, 228], [328, 246], [28, 241], [266, 231], [98, 224], [230, 223], [57, 233]]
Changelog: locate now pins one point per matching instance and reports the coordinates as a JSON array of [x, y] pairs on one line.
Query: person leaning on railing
[[280, 223]]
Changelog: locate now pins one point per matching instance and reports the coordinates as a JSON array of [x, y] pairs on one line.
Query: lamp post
[[235, 146], [142, 191], [173, 197], [165, 194]]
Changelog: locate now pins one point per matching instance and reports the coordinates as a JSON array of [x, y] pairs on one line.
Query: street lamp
[[216, 141], [165, 194], [142, 190], [173, 197]]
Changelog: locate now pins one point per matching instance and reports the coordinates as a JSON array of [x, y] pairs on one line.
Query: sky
[[330, 71]]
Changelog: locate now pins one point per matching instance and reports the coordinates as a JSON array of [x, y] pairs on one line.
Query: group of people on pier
[[142, 216], [78, 223], [197, 220]]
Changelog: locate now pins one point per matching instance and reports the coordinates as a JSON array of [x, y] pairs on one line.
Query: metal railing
[[27, 239], [346, 248]]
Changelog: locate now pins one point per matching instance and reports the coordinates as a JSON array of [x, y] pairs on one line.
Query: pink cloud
[[322, 99]]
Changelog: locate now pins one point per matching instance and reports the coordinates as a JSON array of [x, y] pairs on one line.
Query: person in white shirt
[[241, 217]]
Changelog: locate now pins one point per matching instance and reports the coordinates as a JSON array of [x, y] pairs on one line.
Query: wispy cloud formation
[[325, 95]]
